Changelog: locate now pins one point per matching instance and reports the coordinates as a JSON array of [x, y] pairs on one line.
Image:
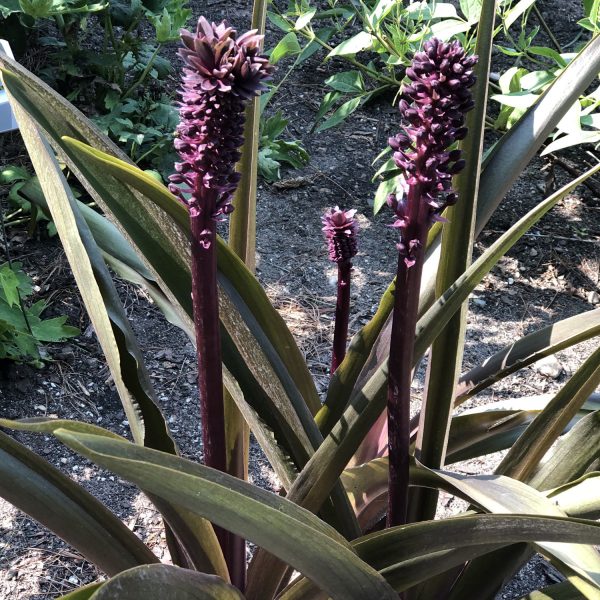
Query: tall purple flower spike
[[432, 109], [341, 232], [222, 71]]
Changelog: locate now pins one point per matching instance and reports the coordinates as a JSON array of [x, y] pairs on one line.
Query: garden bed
[[551, 274]]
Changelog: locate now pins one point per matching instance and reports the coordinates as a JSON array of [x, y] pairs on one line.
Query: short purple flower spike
[[223, 71], [432, 108], [341, 229]]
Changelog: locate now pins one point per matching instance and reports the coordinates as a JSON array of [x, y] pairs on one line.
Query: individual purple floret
[[432, 109], [222, 72], [341, 231]]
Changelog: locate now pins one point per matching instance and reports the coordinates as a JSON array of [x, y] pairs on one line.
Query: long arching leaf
[[415, 553], [527, 350], [99, 294], [43, 492], [156, 582], [529, 449], [293, 534]]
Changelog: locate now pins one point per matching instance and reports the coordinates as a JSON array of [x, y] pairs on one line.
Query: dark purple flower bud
[[341, 232], [432, 108], [222, 71]]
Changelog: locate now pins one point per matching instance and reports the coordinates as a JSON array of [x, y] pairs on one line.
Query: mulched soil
[[551, 274]]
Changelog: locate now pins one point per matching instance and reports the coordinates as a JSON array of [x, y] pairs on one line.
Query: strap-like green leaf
[[230, 266], [100, 296], [579, 498], [242, 224], [196, 537], [527, 350], [571, 458], [411, 554], [288, 531], [158, 582], [261, 357], [529, 449], [43, 492], [281, 462]]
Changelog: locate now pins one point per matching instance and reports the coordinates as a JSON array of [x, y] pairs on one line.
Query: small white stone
[[593, 297], [74, 580], [549, 367]]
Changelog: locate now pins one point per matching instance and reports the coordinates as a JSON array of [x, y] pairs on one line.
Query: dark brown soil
[[551, 274]]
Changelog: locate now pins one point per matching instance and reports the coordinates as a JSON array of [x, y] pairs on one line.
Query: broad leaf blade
[[156, 582], [42, 491], [295, 535], [196, 537], [415, 553], [529, 349], [230, 266], [99, 294], [529, 449]]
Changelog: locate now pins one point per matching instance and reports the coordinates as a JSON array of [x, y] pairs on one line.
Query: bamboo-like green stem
[[446, 354]]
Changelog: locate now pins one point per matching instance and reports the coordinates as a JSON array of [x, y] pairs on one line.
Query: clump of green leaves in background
[[144, 128], [274, 151], [22, 329], [111, 66]]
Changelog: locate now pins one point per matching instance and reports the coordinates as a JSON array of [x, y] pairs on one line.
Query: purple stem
[[208, 348], [406, 305], [342, 312]]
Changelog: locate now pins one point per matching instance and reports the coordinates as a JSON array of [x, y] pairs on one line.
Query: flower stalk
[[432, 109], [341, 229], [222, 72]]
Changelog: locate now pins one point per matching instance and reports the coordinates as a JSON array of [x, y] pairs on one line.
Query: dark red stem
[[406, 305], [342, 312], [205, 300]]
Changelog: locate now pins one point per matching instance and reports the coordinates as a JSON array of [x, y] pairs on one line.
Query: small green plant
[[118, 79], [144, 128], [275, 152], [23, 331]]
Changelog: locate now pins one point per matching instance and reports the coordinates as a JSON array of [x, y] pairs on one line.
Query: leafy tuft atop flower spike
[[223, 71], [341, 229], [432, 107]]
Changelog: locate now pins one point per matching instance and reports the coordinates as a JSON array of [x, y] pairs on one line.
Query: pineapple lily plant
[[322, 536]]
